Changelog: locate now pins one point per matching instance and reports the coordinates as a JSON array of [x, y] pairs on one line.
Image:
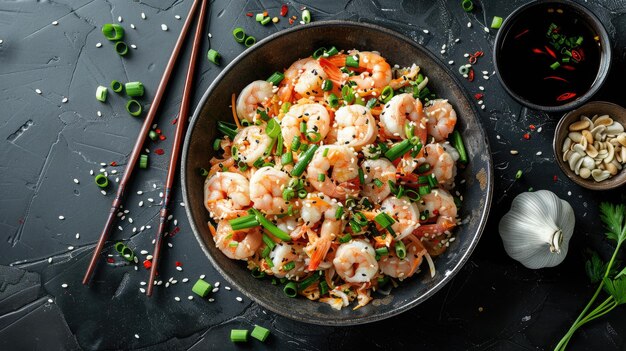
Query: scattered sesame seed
[[143, 291], [64, 100], [539, 129], [137, 336], [182, 204], [38, 91], [1, 41], [54, 23], [481, 87], [99, 114], [539, 153], [486, 77], [178, 268], [450, 62], [132, 26], [143, 15], [119, 19], [185, 280], [49, 259], [177, 17], [217, 284], [443, 52], [49, 300], [482, 107], [98, 45], [150, 199], [443, 47], [70, 248], [514, 152], [140, 203], [426, 31], [210, 35], [189, 297], [76, 181], [149, 257], [215, 290], [64, 285], [457, 40], [139, 192], [239, 299], [227, 288], [170, 245], [61, 217], [211, 299], [164, 27], [486, 29], [203, 276], [469, 24], [133, 46]]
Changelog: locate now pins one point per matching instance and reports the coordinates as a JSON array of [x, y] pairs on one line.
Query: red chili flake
[[178, 264], [577, 55], [175, 231], [527, 136], [470, 75], [555, 178], [521, 33], [159, 151], [291, 21], [113, 164], [110, 260], [479, 53], [436, 212], [283, 10], [568, 67], [550, 52], [556, 78], [478, 96], [158, 131], [538, 51], [162, 137], [175, 121], [532, 127], [147, 264], [249, 14], [566, 96], [265, 13], [472, 59]]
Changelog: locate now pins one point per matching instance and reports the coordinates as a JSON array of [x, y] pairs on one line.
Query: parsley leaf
[[613, 218], [595, 268], [616, 288]]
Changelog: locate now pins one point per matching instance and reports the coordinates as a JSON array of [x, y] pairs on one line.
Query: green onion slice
[[239, 34], [306, 16], [112, 31], [291, 290], [273, 128], [333, 100], [101, 93], [250, 40], [400, 249], [260, 333], [201, 288], [457, 142], [134, 108], [101, 180], [121, 48], [214, 56], [143, 161], [352, 61], [276, 78], [496, 22], [267, 224], [134, 89], [318, 53], [298, 169], [386, 94], [117, 86], [239, 335]]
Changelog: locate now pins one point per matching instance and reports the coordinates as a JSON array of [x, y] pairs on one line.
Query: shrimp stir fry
[[338, 175]]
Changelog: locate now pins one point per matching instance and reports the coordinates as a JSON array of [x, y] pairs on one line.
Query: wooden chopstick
[[134, 156], [181, 126]]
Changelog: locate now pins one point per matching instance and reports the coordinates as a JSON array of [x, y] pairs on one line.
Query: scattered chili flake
[[436, 212], [113, 164], [555, 178], [265, 13], [550, 52], [110, 260], [577, 55], [527, 136], [565, 96], [178, 264], [147, 264], [532, 127], [283, 10], [538, 51], [175, 120], [568, 67], [158, 131], [175, 231], [159, 151], [556, 78], [291, 21], [478, 96], [470, 75], [249, 14], [162, 137], [521, 33]]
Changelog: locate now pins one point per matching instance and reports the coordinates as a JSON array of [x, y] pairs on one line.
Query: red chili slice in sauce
[[566, 96]]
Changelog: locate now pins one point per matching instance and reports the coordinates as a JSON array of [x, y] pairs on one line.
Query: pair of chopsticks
[[145, 128]]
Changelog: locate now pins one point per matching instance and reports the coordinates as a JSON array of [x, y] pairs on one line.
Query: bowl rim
[[606, 55], [464, 256], [557, 145]]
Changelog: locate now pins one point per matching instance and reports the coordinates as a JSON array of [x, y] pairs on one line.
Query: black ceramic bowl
[[525, 11], [259, 62]]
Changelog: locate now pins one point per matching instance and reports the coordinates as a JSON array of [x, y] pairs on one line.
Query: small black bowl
[[588, 18]]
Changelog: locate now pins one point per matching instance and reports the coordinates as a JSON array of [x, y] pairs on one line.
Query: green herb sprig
[[614, 284]]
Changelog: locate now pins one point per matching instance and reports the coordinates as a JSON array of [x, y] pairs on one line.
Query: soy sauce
[[550, 56]]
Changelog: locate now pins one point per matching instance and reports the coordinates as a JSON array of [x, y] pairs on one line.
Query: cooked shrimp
[[239, 244], [400, 110], [406, 267], [313, 209], [441, 163], [251, 142], [341, 163], [251, 97], [355, 261], [380, 169], [376, 72], [284, 253], [438, 203], [356, 127], [441, 119], [266, 190], [315, 116], [303, 76], [226, 194], [406, 76], [405, 214]]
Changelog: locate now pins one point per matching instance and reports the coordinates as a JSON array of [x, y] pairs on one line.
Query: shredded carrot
[[212, 229], [234, 109]]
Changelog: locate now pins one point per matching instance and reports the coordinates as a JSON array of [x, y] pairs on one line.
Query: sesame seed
[[76, 181], [227, 288], [426, 31], [99, 114], [164, 27], [132, 26], [136, 336], [119, 19], [217, 284], [64, 285], [170, 245], [539, 153], [64, 100], [211, 299], [61, 217], [469, 24], [190, 297], [140, 203], [143, 291], [185, 280], [54, 23], [178, 268], [177, 17], [70, 248], [450, 62], [177, 298], [202, 276], [486, 29], [143, 15], [239, 299], [215, 290], [133, 46], [103, 192], [514, 152], [149, 257], [38, 91], [98, 45], [49, 300]]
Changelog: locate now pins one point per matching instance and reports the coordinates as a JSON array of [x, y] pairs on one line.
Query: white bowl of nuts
[[590, 145]]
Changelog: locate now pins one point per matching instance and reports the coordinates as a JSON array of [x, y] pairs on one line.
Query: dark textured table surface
[[53, 132]]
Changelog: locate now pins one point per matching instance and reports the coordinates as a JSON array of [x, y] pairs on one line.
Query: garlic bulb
[[537, 229]]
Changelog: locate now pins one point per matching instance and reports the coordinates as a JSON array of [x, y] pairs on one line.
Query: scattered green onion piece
[[327, 85], [291, 290], [432, 180], [424, 190], [555, 65], [288, 194], [398, 150], [267, 224], [295, 143], [318, 53], [383, 251], [384, 220], [119, 247], [386, 94], [286, 158], [266, 20], [361, 176], [101, 93], [339, 212], [378, 183], [313, 137], [239, 34], [250, 40], [233, 244], [239, 335], [305, 283], [117, 86], [302, 193], [321, 177], [400, 250], [276, 78], [214, 56], [121, 48], [302, 127], [154, 136], [244, 222], [350, 202], [263, 114], [257, 273], [331, 52], [259, 17], [467, 5], [260, 333], [323, 288], [266, 252], [496, 22], [457, 143], [419, 79], [304, 147], [273, 128], [352, 61], [134, 108], [227, 129], [382, 281], [258, 163], [298, 169], [346, 238], [101, 180], [360, 219], [203, 172], [128, 254], [425, 167], [356, 228], [333, 100], [290, 211], [112, 31], [412, 195], [579, 40], [565, 59], [216, 143], [134, 89], [143, 161], [289, 266], [519, 173], [306, 16], [285, 107], [371, 103], [279, 145], [269, 242], [202, 288]]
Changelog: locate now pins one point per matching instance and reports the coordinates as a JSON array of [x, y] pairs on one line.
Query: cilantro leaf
[[613, 218], [616, 288], [595, 268], [621, 274]]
